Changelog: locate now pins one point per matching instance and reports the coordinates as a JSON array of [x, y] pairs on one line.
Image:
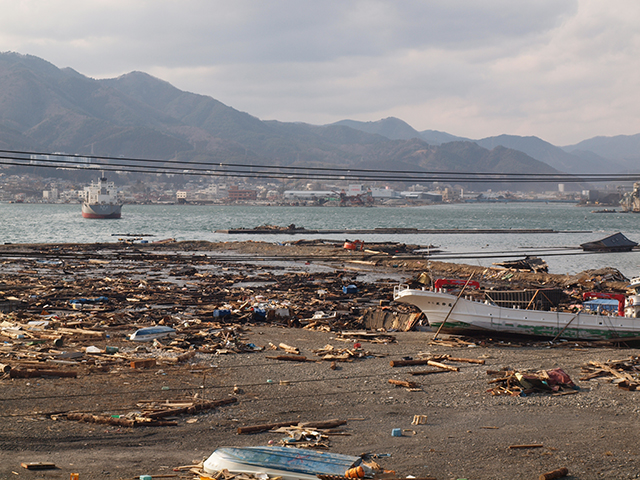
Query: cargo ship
[[101, 200]]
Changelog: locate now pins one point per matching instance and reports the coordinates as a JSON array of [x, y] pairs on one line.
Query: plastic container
[[396, 432], [355, 472], [349, 289]]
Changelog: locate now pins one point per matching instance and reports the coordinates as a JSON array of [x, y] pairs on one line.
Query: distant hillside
[[391, 127], [549, 154], [434, 137], [624, 149], [46, 108], [396, 129]]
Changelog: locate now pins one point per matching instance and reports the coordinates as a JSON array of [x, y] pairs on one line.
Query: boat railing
[[398, 289]]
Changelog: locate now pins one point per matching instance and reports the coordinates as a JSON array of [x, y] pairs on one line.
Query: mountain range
[[44, 108]]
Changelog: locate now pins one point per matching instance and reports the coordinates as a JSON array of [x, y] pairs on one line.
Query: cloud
[[563, 70]]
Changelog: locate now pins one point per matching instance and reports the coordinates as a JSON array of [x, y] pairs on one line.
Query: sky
[[561, 70]]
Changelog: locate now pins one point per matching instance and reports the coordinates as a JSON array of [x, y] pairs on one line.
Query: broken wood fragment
[[406, 363], [443, 366], [40, 372], [290, 358], [143, 363], [531, 445], [426, 372], [558, 473], [402, 383], [38, 465]]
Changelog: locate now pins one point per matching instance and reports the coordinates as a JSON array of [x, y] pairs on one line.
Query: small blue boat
[[289, 463]]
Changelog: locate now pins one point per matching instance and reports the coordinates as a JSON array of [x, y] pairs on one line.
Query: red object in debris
[[355, 245], [614, 296], [454, 282], [357, 345]]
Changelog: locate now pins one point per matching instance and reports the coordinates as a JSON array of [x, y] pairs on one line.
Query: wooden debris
[[530, 445], [38, 465], [419, 420], [402, 383], [289, 358], [191, 408], [558, 473], [269, 426], [289, 349], [143, 363], [625, 373], [41, 372], [427, 372]]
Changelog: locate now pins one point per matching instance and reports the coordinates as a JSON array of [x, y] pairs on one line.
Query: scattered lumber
[[269, 426], [191, 408], [624, 373]]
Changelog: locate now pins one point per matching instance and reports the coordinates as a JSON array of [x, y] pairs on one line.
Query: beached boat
[[101, 200], [460, 315], [613, 243], [285, 462]]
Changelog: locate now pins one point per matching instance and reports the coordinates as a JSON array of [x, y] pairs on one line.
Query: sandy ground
[[467, 434]]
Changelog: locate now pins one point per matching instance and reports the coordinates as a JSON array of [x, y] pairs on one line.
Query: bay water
[[63, 223]]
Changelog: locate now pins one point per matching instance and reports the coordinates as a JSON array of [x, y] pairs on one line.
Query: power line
[[129, 164]]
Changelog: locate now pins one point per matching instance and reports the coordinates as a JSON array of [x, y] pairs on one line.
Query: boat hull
[[288, 463], [465, 316], [106, 210]]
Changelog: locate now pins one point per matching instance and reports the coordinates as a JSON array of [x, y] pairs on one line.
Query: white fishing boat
[[461, 315], [285, 462]]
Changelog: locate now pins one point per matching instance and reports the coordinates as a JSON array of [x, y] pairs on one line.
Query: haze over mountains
[[48, 109]]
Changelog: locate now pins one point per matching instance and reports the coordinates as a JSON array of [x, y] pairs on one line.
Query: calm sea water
[[45, 223]]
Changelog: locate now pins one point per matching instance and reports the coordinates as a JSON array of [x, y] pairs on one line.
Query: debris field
[[296, 345]]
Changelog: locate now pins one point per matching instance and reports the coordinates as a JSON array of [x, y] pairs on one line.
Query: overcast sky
[[562, 70]]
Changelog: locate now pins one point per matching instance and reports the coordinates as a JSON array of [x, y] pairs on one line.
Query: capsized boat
[[285, 462], [460, 315]]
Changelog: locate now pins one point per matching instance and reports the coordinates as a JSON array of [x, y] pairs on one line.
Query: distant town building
[[237, 194], [51, 195], [181, 196]]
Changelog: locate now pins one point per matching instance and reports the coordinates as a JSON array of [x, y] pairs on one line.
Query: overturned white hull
[[466, 316], [288, 463]]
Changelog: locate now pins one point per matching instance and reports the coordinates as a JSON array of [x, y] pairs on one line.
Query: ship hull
[[463, 316], [106, 210]]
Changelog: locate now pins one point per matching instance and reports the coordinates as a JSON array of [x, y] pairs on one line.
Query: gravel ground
[[467, 435]]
